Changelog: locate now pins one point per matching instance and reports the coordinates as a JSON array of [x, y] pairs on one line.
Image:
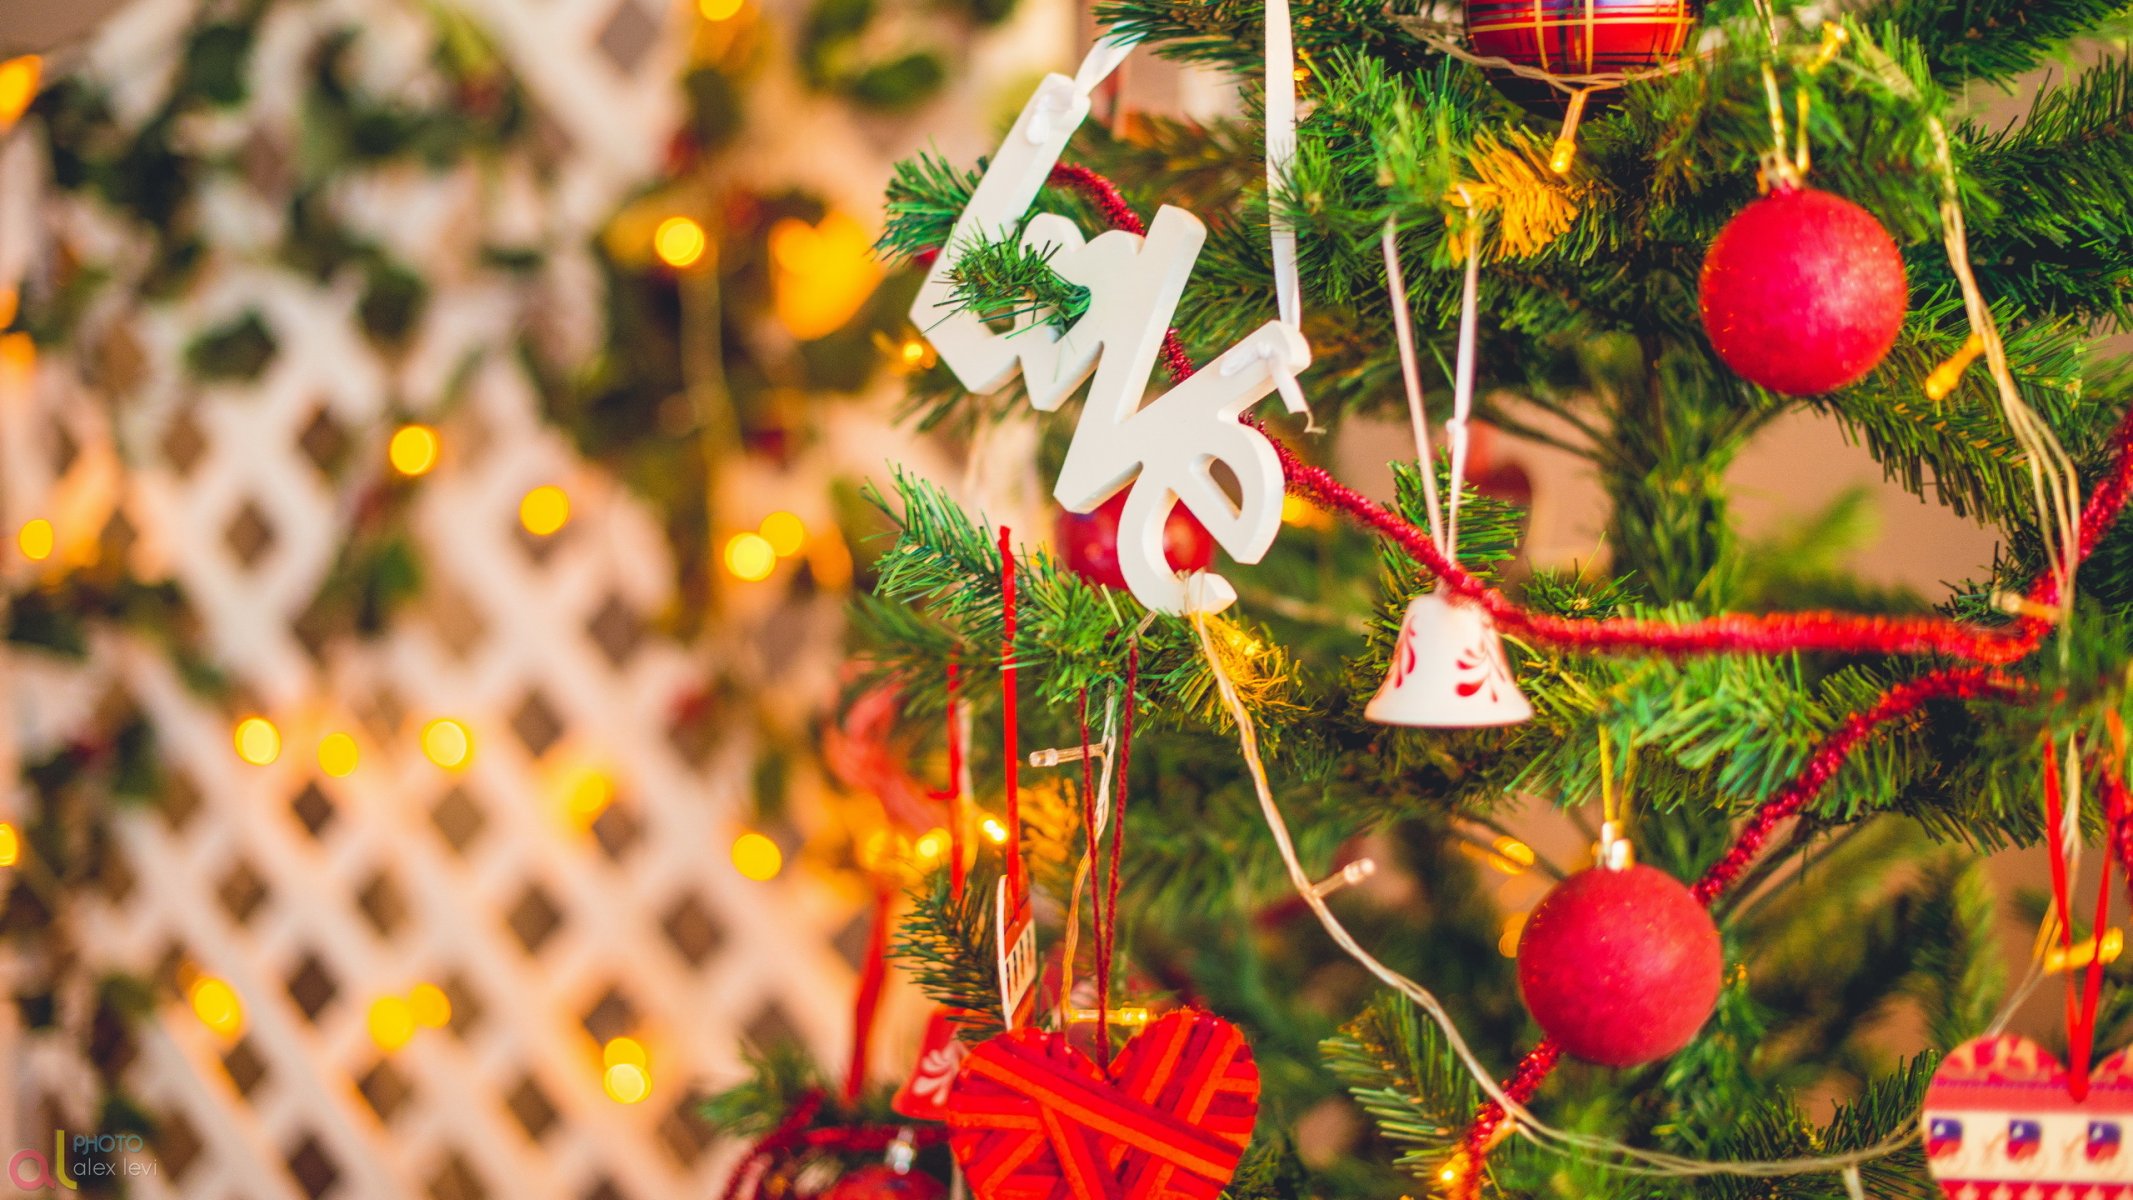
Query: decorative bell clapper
[[1448, 670], [1448, 666]]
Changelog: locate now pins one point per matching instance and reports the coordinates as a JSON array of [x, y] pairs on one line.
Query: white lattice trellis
[[314, 895]]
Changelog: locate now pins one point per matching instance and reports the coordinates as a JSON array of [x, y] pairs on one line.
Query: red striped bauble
[[1577, 37]]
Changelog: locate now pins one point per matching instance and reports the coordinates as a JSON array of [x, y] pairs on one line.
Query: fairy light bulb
[[622, 1050], [338, 754], [786, 533], [544, 510], [1949, 375], [391, 1022], [751, 557], [10, 845], [679, 242], [257, 741], [18, 87], [432, 1009], [757, 857], [930, 847], [448, 743], [413, 450], [36, 539], [718, 10], [216, 1004], [995, 830], [588, 796], [626, 1083]]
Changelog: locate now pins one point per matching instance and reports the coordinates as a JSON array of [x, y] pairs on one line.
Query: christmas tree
[[1654, 249]]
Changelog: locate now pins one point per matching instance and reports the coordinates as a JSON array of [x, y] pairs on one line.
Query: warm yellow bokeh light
[[18, 354], [757, 857], [258, 742], [930, 847], [627, 1083], [1514, 928], [823, 273], [36, 539], [1512, 856], [625, 1050], [679, 242], [391, 1022], [413, 450], [718, 10], [337, 755], [448, 743], [18, 86], [10, 845], [589, 795], [431, 1007], [750, 556], [217, 1006], [544, 510], [995, 830], [785, 533]]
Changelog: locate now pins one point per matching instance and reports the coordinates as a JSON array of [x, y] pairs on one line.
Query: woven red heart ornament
[[1032, 1118]]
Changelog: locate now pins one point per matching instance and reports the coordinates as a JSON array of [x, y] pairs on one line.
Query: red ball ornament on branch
[[1803, 292], [1576, 37], [1088, 542], [1620, 967]]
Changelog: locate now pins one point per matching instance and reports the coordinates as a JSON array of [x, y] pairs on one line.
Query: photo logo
[[94, 1158]]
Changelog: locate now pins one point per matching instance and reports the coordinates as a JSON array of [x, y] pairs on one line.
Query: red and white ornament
[[1620, 967], [1577, 37], [1088, 542], [1448, 670], [878, 1182], [924, 1096], [1803, 292], [1033, 1117], [2001, 1121]]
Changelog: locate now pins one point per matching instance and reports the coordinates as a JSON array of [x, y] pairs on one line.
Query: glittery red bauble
[[1620, 967], [1576, 37], [1088, 542], [1803, 292], [878, 1182]]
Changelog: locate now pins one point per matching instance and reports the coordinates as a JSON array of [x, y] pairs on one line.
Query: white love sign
[[1165, 450]]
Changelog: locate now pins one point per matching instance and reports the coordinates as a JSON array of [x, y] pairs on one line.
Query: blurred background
[[432, 450]]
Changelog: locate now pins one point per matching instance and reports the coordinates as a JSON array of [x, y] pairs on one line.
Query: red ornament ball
[[1576, 37], [1088, 542], [1803, 292], [1620, 967], [879, 1182]]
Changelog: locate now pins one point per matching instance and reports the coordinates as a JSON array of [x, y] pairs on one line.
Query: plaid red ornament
[[1032, 1118], [1577, 37]]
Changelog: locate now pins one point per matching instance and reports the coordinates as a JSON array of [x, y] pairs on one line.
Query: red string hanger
[[2060, 835]]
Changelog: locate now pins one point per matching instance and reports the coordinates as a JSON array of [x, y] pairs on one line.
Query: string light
[[217, 1006], [823, 273], [413, 450], [36, 539], [1514, 927], [448, 743], [1512, 856], [337, 755], [995, 830], [2112, 944], [679, 241], [18, 354], [626, 1083], [431, 1007], [757, 857], [931, 847], [624, 1050], [258, 742], [1948, 375], [589, 796], [785, 533], [718, 10], [391, 1022], [10, 845], [18, 86], [544, 510], [751, 557]]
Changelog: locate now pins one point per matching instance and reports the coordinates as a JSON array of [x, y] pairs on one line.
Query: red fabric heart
[[1032, 1118], [2001, 1124]]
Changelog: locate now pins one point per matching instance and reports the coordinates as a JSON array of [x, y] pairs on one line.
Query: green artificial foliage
[[1874, 902]]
